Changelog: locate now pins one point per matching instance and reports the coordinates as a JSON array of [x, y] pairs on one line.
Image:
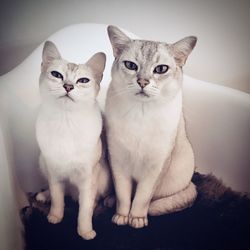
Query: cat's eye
[[57, 74], [130, 65], [161, 69], [83, 80]]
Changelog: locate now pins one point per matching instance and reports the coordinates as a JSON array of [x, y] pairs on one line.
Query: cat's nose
[[143, 82], [68, 87]]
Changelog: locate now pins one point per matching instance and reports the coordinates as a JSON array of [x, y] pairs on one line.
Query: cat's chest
[[144, 119], [67, 136], [148, 132], [61, 130]]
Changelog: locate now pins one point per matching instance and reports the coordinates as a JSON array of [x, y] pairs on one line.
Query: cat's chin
[[143, 97], [142, 94], [67, 98]]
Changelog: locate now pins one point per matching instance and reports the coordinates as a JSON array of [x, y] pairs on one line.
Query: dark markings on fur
[[146, 52], [72, 67]]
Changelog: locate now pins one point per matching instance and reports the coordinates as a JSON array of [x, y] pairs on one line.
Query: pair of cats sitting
[[151, 160]]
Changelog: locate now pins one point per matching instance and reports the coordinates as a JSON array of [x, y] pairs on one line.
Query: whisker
[[121, 92], [56, 91], [154, 87], [154, 91]]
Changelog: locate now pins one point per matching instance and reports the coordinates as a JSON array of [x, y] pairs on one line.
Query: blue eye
[[161, 69], [56, 74], [83, 80], [130, 65]]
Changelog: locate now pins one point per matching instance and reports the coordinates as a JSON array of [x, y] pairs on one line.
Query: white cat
[[68, 131], [152, 160]]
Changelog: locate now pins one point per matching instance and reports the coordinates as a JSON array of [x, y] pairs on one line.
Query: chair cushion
[[217, 117]]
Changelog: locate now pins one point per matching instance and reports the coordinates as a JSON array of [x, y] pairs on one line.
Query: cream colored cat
[[68, 131], [152, 160]]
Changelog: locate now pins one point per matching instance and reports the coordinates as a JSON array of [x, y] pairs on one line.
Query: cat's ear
[[118, 40], [50, 53], [97, 64], [182, 49]]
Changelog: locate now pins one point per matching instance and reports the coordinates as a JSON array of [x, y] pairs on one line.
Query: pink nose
[[68, 87], [143, 82]]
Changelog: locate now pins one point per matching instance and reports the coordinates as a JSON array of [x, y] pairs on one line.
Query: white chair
[[218, 118]]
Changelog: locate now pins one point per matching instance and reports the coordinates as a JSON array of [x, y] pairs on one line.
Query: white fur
[[68, 132], [151, 159], [69, 138]]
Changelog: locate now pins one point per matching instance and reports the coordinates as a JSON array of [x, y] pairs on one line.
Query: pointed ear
[[182, 49], [50, 52], [118, 40], [97, 64]]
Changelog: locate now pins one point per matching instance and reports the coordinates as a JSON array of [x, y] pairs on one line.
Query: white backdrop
[[222, 27]]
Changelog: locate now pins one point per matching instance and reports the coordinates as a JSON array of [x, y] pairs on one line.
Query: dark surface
[[219, 219]]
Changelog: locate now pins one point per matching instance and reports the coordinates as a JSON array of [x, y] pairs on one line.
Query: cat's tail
[[175, 202]]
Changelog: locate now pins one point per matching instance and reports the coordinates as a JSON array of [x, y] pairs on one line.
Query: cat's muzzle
[[142, 93]]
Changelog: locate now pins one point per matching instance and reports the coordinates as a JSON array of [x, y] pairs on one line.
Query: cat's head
[[147, 70], [62, 81]]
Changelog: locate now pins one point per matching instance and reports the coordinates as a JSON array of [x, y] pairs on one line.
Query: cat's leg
[[56, 188], [43, 196], [123, 190], [143, 195], [176, 188], [87, 192], [175, 202]]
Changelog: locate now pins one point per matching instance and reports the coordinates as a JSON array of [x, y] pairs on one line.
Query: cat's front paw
[[43, 197], [119, 219], [54, 219], [89, 235], [138, 222]]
